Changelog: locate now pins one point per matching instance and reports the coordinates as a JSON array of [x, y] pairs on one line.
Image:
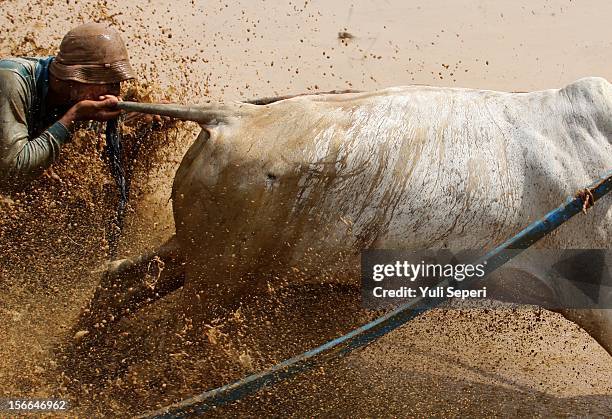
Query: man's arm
[[21, 157]]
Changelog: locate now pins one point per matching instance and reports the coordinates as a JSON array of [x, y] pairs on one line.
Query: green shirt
[[30, 134]]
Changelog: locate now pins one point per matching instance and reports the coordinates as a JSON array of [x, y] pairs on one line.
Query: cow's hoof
[[113, 268]]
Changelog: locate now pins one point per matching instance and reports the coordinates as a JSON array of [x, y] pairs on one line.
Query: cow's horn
[[205, 114]]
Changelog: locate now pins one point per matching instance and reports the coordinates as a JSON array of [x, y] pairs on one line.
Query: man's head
[[92, 62]]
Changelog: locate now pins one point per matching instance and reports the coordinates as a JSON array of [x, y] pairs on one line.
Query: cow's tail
[[208, 114]]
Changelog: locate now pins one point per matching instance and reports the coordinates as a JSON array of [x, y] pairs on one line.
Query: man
[[41, 98]]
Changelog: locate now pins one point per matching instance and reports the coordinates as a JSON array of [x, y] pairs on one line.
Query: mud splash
[[53, 233]]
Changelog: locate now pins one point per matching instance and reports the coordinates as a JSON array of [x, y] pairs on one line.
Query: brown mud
[[487, 361]]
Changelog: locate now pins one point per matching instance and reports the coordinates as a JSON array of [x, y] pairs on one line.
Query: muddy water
[[53, 234]]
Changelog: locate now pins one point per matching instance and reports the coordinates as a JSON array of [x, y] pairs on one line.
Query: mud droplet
[[80, 334]]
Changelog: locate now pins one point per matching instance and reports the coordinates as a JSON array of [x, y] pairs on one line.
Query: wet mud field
[[495, 360]]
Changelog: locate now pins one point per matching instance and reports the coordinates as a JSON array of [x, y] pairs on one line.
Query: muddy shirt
[[30, 134]]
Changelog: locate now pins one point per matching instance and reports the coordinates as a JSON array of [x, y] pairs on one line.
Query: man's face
[[83, 91]]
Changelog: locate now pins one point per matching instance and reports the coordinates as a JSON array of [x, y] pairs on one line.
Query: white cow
[[298, 187]]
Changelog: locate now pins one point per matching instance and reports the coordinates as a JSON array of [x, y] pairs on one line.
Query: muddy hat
[[92, 53]]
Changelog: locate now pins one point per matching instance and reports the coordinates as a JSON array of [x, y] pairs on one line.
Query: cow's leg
[[584, 288], [596, 322], [532, 285], [520, 286], [130, 284]]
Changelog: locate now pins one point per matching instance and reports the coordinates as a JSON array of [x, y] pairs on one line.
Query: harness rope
[[114, 155]]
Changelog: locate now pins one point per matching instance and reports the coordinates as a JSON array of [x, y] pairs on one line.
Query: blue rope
[[381, 326]]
